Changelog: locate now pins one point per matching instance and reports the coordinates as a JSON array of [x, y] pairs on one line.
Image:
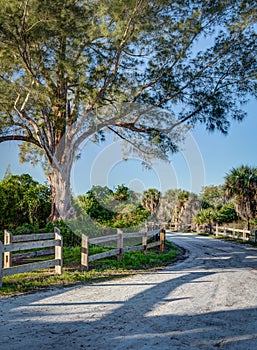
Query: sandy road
[[207, 301]]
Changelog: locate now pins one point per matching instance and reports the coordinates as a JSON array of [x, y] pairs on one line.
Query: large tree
[[74, 69]]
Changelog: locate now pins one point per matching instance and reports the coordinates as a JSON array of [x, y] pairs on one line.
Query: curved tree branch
[[20, 138]]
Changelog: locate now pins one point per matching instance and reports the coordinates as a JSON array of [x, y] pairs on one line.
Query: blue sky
[[204, 160]]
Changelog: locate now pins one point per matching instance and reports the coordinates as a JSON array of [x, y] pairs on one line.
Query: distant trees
[[241, 186], [215, 206], [118, 208], [166, 205], [227, 213], [206, 216], [236, 198], [178, 207], [213, 196], [26, 202], [150, 200]]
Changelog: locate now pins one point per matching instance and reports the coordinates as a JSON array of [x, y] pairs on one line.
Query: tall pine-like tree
[[71, 69]]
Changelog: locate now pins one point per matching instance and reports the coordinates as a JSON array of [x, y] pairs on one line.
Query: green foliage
[[23, 201], [100, 270], [93, 207], [150, 200], [25, 229], [82, 222], [183, 195], [130, 215], [211, 215], [213, 197], [116, 208], [122, 193], [206, 216], [131, 260], [214, 207], [241, 186], [69, 237], [227, 213], [82, 68], [72, 254]]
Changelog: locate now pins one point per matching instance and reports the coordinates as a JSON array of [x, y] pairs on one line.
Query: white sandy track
[[207, 301]]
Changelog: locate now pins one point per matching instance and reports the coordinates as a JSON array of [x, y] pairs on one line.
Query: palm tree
[[241, 186], [150, 200], [206, 216]]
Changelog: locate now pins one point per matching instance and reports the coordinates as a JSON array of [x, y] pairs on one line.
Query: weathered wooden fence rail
[[119, 238], [26, 242], [235, 233]]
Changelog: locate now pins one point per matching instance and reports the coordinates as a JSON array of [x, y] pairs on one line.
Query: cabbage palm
[[150, 200], [241, 186]]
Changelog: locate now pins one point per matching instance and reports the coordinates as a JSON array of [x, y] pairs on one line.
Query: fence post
[[144, 241], [119, 244], [217, 230], [1, 263], [255, 236], [84, 251], [7, 256], [244, 235], [162, 239], [58, 251]]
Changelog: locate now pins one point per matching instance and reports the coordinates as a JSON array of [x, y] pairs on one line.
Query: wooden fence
[[158, 234], [235, 233], [19, 243]]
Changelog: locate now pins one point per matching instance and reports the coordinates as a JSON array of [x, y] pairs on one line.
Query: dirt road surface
[[207, 301]]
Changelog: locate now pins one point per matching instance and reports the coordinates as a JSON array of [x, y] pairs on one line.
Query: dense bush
[[25, 207], [227, 213], [69, 237], [23, 201], [118, 208]]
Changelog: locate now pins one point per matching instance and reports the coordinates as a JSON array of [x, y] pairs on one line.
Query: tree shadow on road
[[150, 319]]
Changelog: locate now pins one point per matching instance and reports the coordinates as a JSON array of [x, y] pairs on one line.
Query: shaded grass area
[[101, 270]]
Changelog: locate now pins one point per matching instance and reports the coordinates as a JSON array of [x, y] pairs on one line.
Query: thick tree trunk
[[60, 193]]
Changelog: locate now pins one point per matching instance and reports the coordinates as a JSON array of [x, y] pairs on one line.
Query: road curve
[[207, 301]]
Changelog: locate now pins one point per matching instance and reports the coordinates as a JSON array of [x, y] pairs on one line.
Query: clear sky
[[204, 160]]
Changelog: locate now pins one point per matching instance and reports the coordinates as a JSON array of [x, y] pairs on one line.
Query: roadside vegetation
[[25, 208], [102, 270]]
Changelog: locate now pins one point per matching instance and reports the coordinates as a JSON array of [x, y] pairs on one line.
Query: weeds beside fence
[[156, 236]]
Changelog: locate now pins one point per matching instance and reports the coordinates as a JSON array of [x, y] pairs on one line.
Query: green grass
[[101, 270]]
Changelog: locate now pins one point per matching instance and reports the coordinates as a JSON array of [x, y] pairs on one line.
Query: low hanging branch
[[61, 65]]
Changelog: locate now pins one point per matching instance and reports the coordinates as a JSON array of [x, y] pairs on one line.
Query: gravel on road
[[206, 301]]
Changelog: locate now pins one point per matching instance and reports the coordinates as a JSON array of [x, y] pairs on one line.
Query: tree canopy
[[73, 69]]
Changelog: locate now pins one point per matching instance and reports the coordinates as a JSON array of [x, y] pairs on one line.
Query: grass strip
[[102, 270]]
